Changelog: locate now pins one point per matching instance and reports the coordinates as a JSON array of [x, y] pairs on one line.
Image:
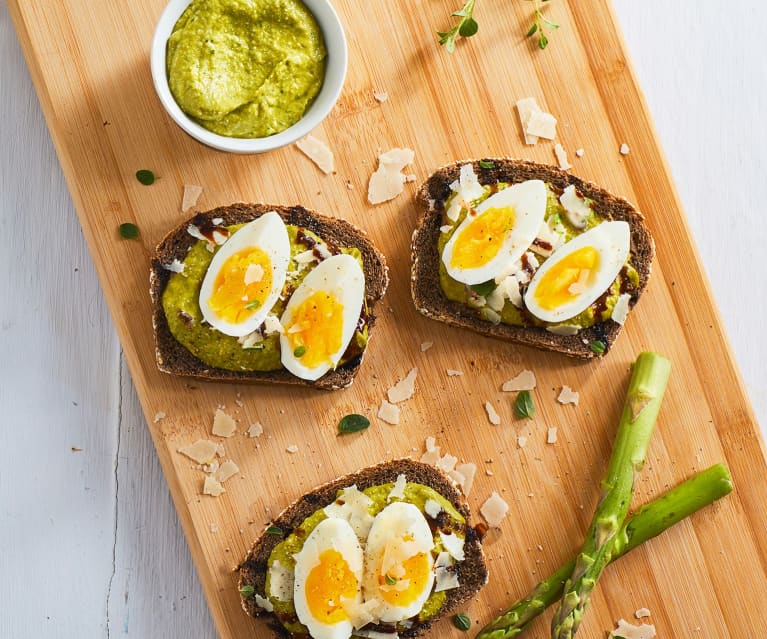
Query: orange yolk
[[326, 583], [233, 300], [315, 328], [554, 289], [480, 241], [416, 570]]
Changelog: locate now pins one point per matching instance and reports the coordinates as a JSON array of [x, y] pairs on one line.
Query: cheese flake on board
[[223, 424], [492, 414], [403, 389], [190, 196], [523, 381], [568, 396], [212, 487], [389, 412], [494, 510], [318, 152], [388, 181], [630, 631], [203, 451]]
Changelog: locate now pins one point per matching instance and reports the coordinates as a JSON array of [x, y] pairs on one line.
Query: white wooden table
[[90, 545]]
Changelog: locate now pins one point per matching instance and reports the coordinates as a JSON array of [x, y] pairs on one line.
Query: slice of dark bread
[[425, 283], [173, 358], [472, 571]]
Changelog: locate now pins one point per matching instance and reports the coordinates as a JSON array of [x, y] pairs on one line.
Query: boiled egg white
[[578, 272], [321, 316], [328, 577], [496, 233], [398, 562], [246, 276]]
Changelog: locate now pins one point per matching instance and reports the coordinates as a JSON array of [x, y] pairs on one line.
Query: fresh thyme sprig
[[539, 22], [466, 27]]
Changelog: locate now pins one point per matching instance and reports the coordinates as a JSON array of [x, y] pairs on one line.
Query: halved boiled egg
[[321, 316], [496, 233], [398, 562], [578, 272], [328, 575], [245, 276]]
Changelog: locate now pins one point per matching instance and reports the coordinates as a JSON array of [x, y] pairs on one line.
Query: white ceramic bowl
[[335, 73]]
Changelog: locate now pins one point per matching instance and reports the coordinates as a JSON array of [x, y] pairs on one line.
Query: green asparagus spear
[[648, 522], [645, 393]]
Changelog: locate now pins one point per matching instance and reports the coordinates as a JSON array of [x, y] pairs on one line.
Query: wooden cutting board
[[704, 578]]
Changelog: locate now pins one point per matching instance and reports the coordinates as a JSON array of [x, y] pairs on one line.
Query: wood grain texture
[[99, 160]]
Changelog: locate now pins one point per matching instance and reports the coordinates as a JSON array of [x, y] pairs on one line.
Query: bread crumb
[[226, 470], [568, 396], [492, 414], [642, 612], [349, 185], [203, 451], [625, 150], [213, 528], [212, 487], [388, 181], [293, 448], [389, 413], [521, 441], [579, 152], [494, 510], [223, 424], [551, 436], [159, 416], [630, 631], [190, 196], [380, 96], [255, 430], [524, 381], [318, 152], [454, 373], [425, 346], [561, 154], [403, 389]]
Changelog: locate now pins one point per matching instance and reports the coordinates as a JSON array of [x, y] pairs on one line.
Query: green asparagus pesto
[[555, 217], [245, 68], [416, 494], [180, 302]]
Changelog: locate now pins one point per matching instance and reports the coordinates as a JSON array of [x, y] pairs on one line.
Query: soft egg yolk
[[565, 279], [242, 285], [326, 583], [479, 242], [315, 328], [416, 571]]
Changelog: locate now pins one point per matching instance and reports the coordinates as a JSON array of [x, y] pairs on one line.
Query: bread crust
[[425, 287], [174, 359], [472, 571]]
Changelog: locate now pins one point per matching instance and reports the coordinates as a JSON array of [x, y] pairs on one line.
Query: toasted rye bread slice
[[425, 285], [173, 358], [472, 571]]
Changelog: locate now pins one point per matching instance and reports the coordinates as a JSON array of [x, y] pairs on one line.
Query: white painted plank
[[58, 387], [155, 591]]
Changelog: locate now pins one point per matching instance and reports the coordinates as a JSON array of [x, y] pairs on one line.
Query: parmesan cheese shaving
[[388, 181], [175, 266], [451, 372], [568, 396], [551, 436], [159, 416], [398, 490], [263, 603], [255, 430], [492, 414], [212, 487], [318, 152], [226, 470], [630, 631], [453, 544], [432, 508], [446, 463], [253, 274], [561, 154], [625, 150], [223, 424], [190, 196], [621, 308], [543, 125], [525, 109], [403, 389], [494, 510], [521, 441], [576, 208], [642, 612], [352, 505], [565, 330], [292, 449], [380, 96], [203, 451], [425, 346], [523, 381], [389, 412], [468, 470]]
